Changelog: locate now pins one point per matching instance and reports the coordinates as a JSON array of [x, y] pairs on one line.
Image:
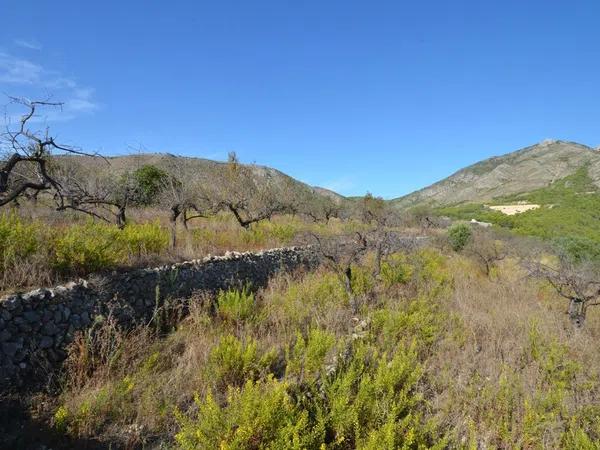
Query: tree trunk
[[349, 290], [121, 219], [175, 212], [378, 256], [576, 313]]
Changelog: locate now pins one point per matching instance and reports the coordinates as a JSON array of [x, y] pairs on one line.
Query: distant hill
[[521, 171], [558, 182], [204, 169]]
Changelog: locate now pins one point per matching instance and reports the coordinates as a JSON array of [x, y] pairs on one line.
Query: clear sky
[[384, 96]]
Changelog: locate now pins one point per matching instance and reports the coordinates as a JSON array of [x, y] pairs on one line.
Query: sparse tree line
[[33, 165]]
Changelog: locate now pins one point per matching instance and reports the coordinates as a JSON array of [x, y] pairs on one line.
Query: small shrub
[[144, 239], [362, 280], [258, 415], [284, 233], [236, 306], [307, 357], [232, 362], [87, 248], [458, 236], [395, 270], [18, 239]]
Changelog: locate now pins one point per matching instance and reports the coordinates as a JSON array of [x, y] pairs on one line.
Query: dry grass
[[45, 264], [496, 371], [502, 366]]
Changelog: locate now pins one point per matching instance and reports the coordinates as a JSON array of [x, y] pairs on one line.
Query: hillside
[[525, 170], [204, 169]]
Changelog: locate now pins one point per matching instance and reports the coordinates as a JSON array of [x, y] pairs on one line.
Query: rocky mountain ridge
[[524, 170]]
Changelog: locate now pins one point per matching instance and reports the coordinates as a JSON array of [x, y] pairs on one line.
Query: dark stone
[[32, 316], [49, 329], [85, 318], [4, 335], [10, 348], [75, 321], [46, 342]]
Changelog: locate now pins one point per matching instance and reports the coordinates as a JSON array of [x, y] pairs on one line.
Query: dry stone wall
[[36, 327]]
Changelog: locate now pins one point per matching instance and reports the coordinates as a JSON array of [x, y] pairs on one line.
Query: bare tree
[[321, 208], [86, 190], [340, 253], [33, 163], [249, 193], [424, 217], [382, 218], [577, 282], [487, 249], [26, 156], [184, 196]]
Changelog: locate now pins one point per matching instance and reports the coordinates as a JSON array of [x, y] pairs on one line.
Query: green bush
[[578, 249], [232, 362], [150, 181], [18, 240], [307, 357], [459, 235], [87, 248], [258, 415], [362, 280], [95, 246], [144, 239], [236, 305], [395, 270]]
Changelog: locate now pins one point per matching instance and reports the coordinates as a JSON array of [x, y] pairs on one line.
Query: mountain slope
[[525, 170]]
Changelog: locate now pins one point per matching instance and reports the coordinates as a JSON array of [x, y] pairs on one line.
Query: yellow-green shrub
[[395, 270], [233, 362], [258, 415], [18, 240], [306, 300], [144, 239], [362, 280], [87, 247], [307, 357], [236, 305], [94, 246]]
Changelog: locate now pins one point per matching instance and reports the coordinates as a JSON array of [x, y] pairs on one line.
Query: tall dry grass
[[497, 362]]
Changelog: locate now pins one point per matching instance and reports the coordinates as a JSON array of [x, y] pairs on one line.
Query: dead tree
[[84, 190], [487, 250], [578, 283], [249, 193], [340, 253], [320, 208], [34, 163], [26, 157], [381, 218], [184, 196]]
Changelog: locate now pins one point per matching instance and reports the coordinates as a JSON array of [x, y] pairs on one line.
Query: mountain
[[524, 170]]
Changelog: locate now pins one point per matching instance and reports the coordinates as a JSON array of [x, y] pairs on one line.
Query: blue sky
[[380, 96]]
